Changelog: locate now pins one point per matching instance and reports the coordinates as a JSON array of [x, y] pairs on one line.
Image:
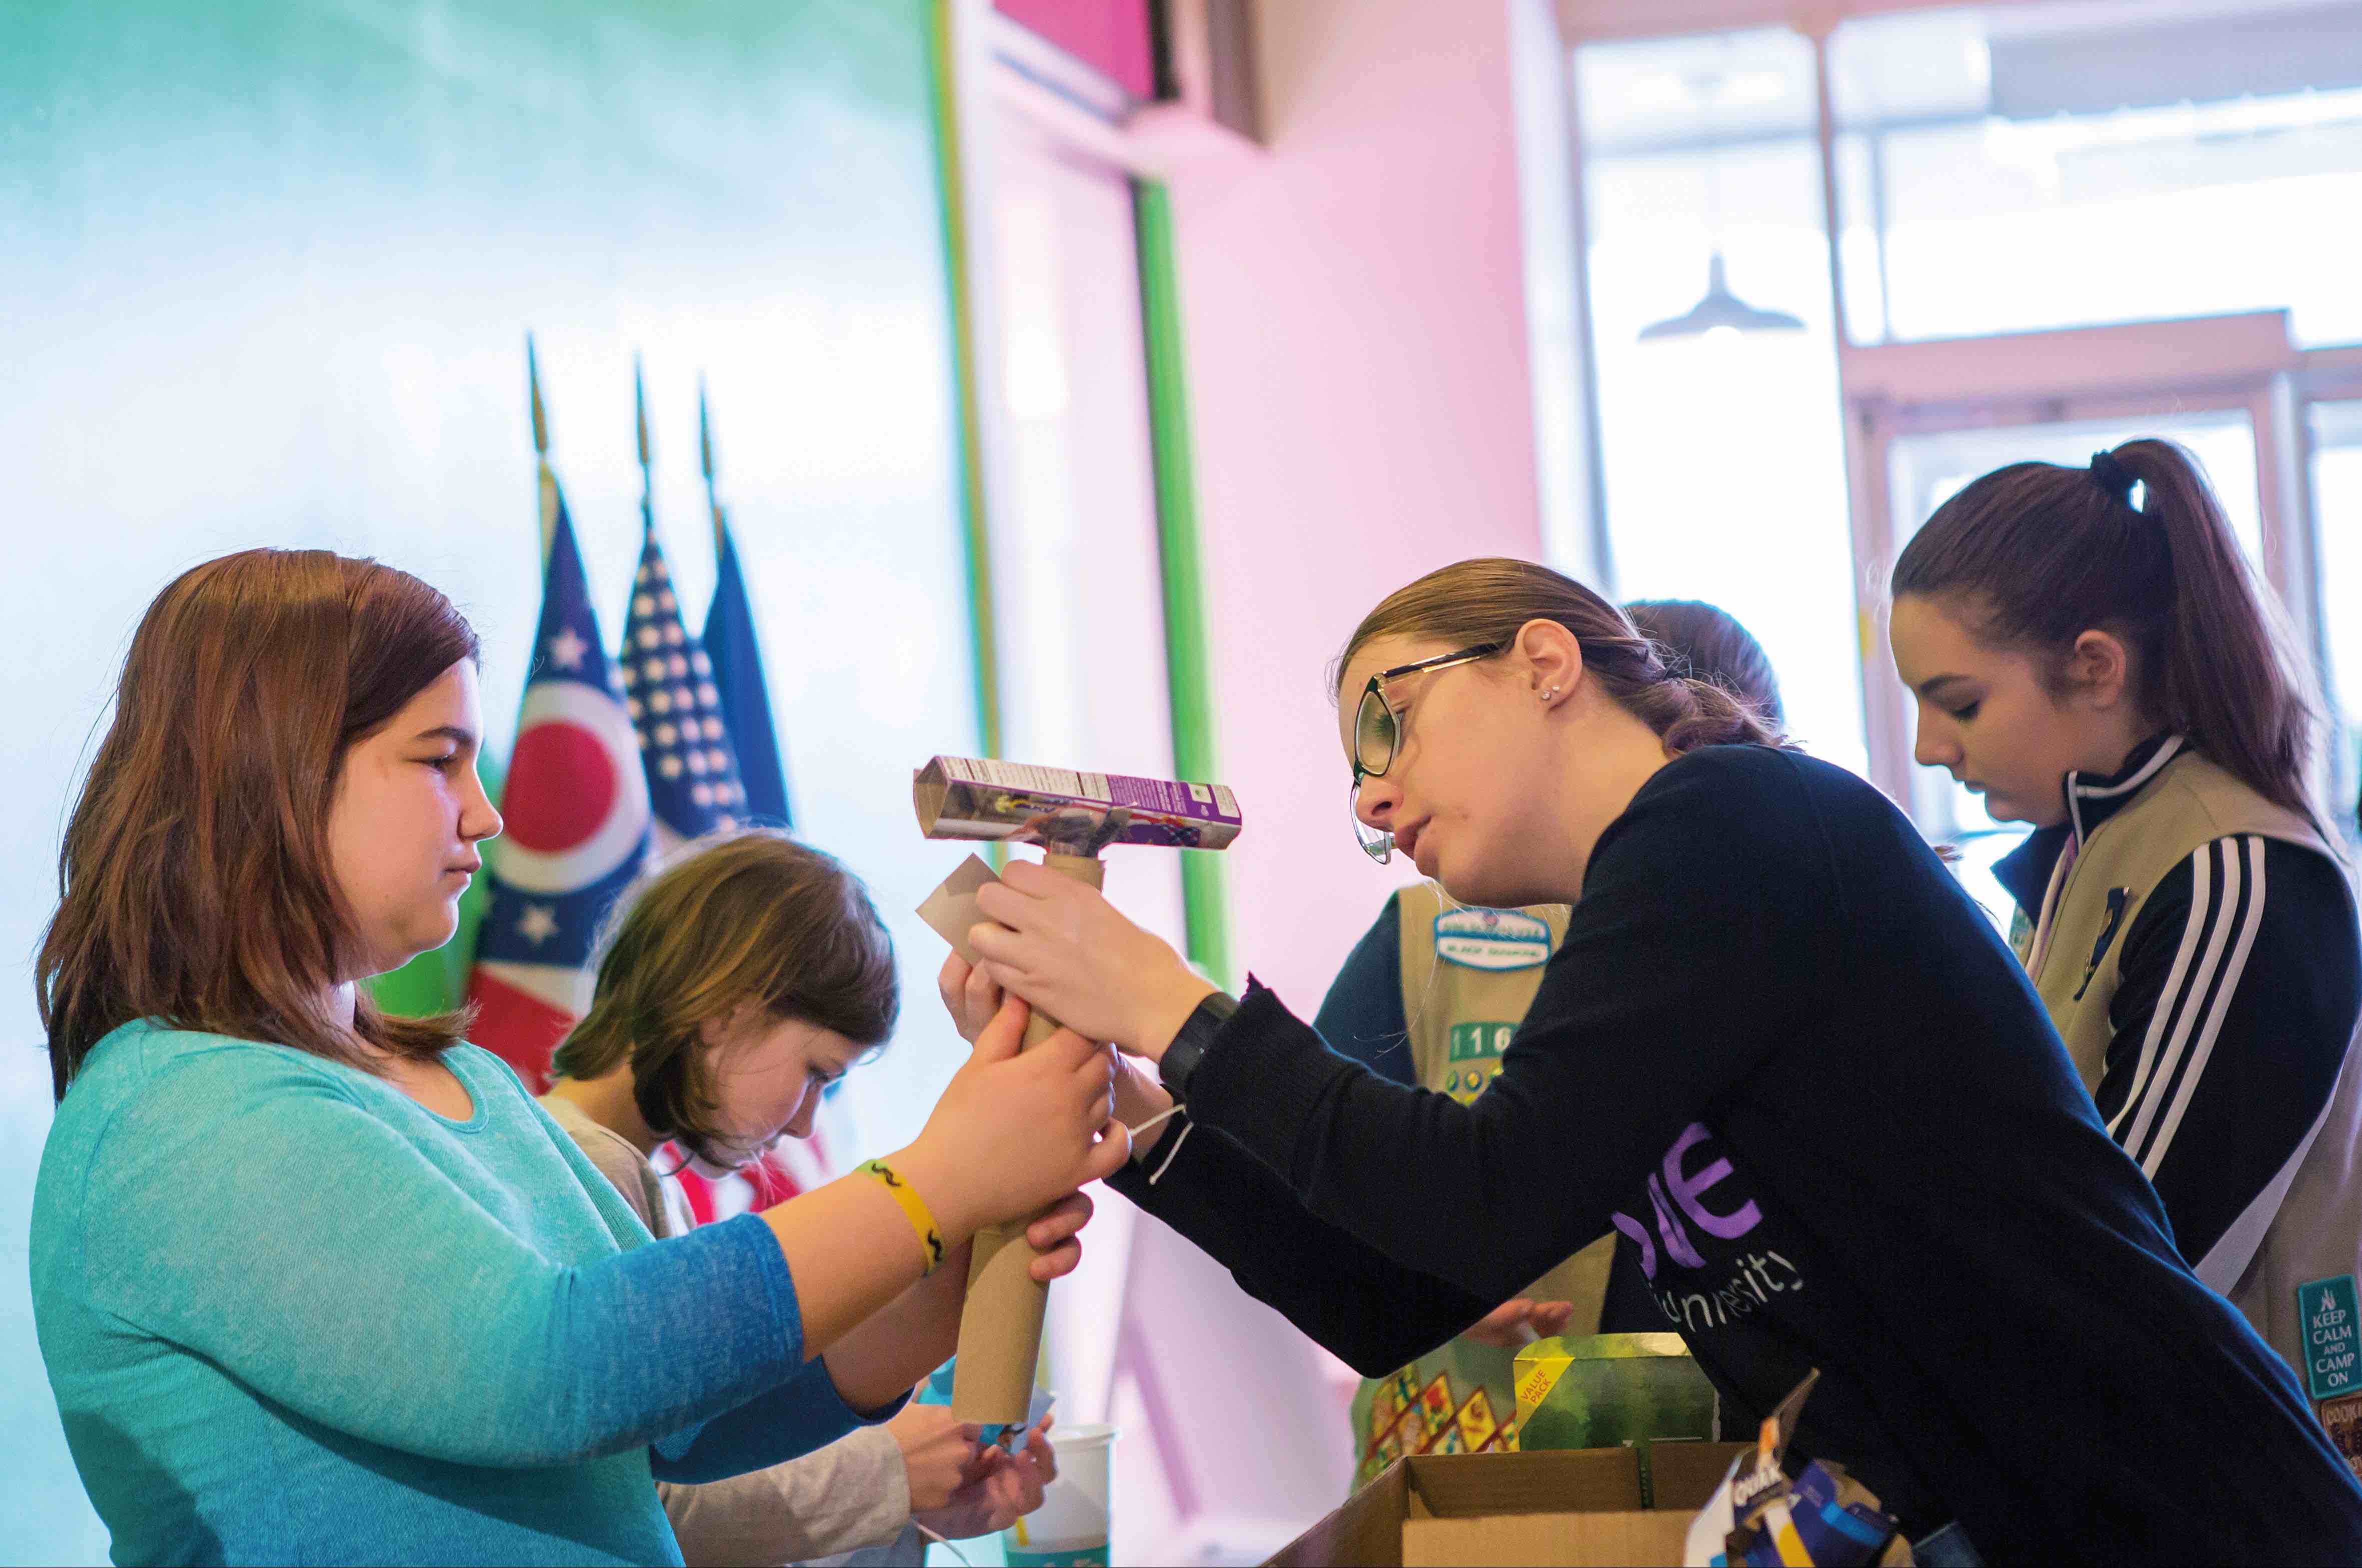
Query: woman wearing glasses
[[1429, 997], [1779, 1049]]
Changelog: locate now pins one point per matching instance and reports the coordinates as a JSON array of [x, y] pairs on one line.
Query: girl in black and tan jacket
[[2111, 674]]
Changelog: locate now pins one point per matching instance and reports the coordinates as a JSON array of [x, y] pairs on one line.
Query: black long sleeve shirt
[[1361, 1018], [2218, 1069], [1782, 1054]]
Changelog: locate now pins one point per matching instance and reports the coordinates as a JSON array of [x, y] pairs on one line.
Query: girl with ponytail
[[1777, 1049], [2111, 673]]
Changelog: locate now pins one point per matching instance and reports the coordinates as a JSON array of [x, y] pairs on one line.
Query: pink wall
[[1358, 363]]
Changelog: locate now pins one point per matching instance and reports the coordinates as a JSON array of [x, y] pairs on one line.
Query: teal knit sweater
[[293, 1316]]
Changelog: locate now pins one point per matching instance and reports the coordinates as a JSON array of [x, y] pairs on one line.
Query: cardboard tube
[[1000, 1326]]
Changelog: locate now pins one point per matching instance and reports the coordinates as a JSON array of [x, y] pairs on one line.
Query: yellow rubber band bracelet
[[914, 1208]]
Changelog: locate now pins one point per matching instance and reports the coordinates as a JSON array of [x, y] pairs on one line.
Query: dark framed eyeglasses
[[1378, 730]]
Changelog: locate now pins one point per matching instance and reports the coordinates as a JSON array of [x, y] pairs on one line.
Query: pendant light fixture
[[1718, 310]]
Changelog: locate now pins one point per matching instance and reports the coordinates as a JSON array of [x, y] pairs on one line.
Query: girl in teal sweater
[[316, 1285]]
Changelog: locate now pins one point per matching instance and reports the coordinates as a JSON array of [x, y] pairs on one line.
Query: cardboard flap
[[1683, 1476], [1367, 1529], [1575, 1506], [1618, 1539], [950, 911], [1466, 1485]]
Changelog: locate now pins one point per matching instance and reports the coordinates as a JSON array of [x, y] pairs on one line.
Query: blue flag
[[737, 653]]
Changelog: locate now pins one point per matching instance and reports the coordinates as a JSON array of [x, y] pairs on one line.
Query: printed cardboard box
[[1605, 1390], [1575, 1506]]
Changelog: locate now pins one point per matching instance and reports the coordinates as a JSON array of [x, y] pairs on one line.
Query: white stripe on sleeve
[[2224, 993], [2194, 931]]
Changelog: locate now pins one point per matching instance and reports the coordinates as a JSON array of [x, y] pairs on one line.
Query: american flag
[[693, 790], [668, 690]]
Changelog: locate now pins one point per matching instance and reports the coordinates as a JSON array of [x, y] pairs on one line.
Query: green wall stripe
[[974, 519], [1188, 657]]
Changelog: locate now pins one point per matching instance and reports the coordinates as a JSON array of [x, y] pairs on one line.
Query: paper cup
[[1070, 1525]]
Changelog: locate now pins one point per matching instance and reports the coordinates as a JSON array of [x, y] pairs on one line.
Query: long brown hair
[[1486, 600], [193, 881], [2034, 555], [745, 916]]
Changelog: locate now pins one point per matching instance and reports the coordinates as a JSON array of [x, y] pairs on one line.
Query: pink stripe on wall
[[1110, 35], [1353, 301]]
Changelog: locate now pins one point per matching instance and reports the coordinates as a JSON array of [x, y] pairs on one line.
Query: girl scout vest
[[2290, 1261], [1468, 977]]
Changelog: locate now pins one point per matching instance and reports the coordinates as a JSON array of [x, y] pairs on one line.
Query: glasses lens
[[1378, 847], [1373, 734]]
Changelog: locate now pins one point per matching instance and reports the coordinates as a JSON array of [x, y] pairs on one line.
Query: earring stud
[[1551, 693]]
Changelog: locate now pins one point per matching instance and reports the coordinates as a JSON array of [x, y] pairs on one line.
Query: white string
[[941, 1542], [1173, 1111], [1173, 1154]]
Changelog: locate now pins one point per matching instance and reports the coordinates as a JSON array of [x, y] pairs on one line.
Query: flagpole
[[548, 481], [705, 458], [647, 483]]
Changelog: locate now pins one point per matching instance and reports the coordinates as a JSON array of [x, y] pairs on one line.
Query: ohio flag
[[577, 808]]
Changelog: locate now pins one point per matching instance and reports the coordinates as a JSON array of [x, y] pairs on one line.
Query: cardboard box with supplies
[[1575, 1507]]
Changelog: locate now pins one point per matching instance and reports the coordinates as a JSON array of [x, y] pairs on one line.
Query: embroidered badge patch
[[1491, 939], [2341, 1418]]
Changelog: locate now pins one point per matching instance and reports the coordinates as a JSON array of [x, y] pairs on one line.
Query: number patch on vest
[[1474, 1058], [1491, 939]]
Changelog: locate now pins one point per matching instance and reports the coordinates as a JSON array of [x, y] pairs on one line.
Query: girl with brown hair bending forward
[[741, 980]]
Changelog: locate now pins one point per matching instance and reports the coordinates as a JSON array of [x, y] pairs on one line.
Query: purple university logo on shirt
[[1700, 1214]]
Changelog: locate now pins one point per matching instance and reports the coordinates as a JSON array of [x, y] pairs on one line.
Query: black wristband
[[1188, 1047]]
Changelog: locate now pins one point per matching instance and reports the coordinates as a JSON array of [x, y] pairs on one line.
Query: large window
[[2337, 504], [1078, 579], [2059, 225], [2018, 167], [1723, 457]]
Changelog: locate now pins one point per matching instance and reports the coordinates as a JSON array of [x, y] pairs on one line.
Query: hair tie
[[2113, 477]]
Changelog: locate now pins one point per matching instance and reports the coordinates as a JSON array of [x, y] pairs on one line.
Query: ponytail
[[2042, 554], [1700, 713], [1485, 600], [1708, 643]]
